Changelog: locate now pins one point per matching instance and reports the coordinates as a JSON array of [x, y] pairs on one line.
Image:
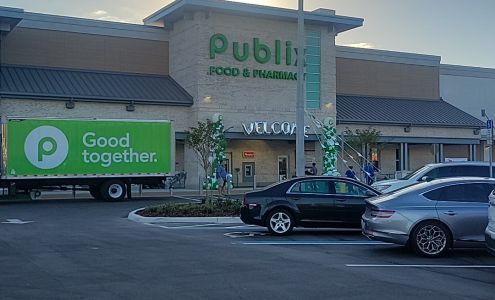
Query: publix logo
[[46, 147]]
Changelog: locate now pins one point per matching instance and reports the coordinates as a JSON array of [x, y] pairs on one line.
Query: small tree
[[363, 140], [202, 140]]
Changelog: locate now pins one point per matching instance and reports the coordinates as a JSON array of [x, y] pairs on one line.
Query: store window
[[313, 69]]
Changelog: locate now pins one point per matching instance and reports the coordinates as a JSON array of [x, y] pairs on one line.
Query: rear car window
[[470, 192]]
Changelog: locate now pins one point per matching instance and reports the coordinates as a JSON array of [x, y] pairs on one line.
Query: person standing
[[221, 175], [314, 170], [369, 173], [350, 173]]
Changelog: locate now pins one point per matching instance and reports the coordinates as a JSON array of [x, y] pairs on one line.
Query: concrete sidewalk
[[68, 194]]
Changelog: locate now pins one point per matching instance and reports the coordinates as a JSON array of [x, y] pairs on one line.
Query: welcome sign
[[279, 53], [48, 147]]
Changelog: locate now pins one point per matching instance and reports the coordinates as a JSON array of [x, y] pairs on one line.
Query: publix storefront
[[201, 59], [241, 61]]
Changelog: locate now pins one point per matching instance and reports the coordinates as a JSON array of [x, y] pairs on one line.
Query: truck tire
[[94, 190], [113, 190]]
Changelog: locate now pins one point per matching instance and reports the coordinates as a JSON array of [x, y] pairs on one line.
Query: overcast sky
[[462, 32]]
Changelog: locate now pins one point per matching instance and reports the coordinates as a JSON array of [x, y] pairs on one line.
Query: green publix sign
[[52, 147], [262, 53]]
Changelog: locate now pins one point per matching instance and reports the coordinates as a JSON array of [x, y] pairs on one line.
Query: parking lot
[[85, 249]]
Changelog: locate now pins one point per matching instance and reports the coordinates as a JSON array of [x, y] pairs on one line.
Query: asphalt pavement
[[85, 249]]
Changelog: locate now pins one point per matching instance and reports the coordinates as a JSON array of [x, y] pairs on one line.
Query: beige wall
[[373, 78], [455, 151], [56, 109], [420, 155], [25, 46]]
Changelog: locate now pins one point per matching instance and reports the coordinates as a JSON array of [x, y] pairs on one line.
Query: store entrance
[[248, 172], [283, 167]]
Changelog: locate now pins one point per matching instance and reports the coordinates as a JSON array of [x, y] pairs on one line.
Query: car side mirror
[[426, 179], [370, 194]]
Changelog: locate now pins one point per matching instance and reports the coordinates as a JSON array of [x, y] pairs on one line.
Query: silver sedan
[[431, 217]]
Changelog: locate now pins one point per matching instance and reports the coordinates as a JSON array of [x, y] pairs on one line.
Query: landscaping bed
[[215, 208]]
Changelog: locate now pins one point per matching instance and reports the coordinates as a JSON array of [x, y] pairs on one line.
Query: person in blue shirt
[[350, 173], [369, 173], [221, 175]]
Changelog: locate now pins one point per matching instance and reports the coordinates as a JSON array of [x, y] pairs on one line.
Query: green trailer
[[103, 156]]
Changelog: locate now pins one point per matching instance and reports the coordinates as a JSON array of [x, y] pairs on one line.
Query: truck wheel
[[94, 190], [113, 190]]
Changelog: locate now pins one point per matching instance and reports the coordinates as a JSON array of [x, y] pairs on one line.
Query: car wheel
[[431, 239], [113, 190], [280, 222]]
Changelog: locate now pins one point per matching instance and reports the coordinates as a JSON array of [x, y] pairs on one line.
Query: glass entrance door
[[283, 167], [248, 171]]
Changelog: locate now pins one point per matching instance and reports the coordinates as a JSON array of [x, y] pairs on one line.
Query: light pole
[[300, 92], [489, 127]]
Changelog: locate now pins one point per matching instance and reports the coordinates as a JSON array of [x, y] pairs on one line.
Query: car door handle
[[450, 213]]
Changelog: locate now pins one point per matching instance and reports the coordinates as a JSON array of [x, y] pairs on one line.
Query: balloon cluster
[[218, 152], [330, 147]]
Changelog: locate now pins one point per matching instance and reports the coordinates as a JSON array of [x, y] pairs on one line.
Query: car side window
[[471, 192], [348, 188], [311, 187], [480, 171]]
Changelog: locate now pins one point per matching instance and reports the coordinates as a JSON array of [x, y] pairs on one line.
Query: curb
[[133, 216]]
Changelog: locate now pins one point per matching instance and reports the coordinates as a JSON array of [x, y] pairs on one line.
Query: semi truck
[[104, 157]]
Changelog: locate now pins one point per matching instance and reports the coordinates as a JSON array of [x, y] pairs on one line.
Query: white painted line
[[16, 221], [420, 266], [347, 243], [187, 226], [241, 226]]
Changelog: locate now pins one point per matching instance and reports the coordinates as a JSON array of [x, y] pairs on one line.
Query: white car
[[490, 229], [435, 171]]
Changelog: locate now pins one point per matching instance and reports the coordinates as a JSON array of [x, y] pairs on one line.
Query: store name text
[[274, 128], [263, 54]]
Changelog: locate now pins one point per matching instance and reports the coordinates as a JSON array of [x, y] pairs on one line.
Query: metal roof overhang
[[10, 17], [177, 9]]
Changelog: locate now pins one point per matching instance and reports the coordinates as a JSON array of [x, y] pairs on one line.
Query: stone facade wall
[[242, 99]]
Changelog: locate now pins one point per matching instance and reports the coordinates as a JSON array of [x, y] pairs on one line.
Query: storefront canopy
[[83, 85], [392, 111]]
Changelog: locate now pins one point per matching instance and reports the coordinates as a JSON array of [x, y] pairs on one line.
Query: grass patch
[[213, 208]]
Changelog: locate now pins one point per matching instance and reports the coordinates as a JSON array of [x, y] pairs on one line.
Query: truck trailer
[[104, 157]]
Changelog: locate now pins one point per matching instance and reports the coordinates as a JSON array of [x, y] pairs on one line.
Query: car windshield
[[410, 175]]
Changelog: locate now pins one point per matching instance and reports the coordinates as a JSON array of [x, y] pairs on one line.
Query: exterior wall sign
[[261, 53], [273, 128], [248, 154]]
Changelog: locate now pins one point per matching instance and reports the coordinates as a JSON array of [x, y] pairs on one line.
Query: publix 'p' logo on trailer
[[46, 147]]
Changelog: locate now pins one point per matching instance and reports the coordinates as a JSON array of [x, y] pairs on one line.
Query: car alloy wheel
[[280, 222], [431, 239]]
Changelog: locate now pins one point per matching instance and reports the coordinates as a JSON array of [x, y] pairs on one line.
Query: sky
[[462, 32]]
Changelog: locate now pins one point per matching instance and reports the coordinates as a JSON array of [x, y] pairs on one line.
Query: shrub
[[211, 208]]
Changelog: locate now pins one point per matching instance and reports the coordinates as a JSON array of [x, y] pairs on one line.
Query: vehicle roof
[[282, 187], [438, 182], [459, 163]]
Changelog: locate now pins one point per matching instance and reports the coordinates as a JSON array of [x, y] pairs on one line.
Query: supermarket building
[[194, 59]]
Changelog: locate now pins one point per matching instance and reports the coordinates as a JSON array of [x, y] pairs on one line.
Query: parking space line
[[345, 243], [419, 266]]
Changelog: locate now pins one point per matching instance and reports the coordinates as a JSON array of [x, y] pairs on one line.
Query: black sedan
[[316, 201]]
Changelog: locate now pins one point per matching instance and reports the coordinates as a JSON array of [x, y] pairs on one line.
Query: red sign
[[248, 154]]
